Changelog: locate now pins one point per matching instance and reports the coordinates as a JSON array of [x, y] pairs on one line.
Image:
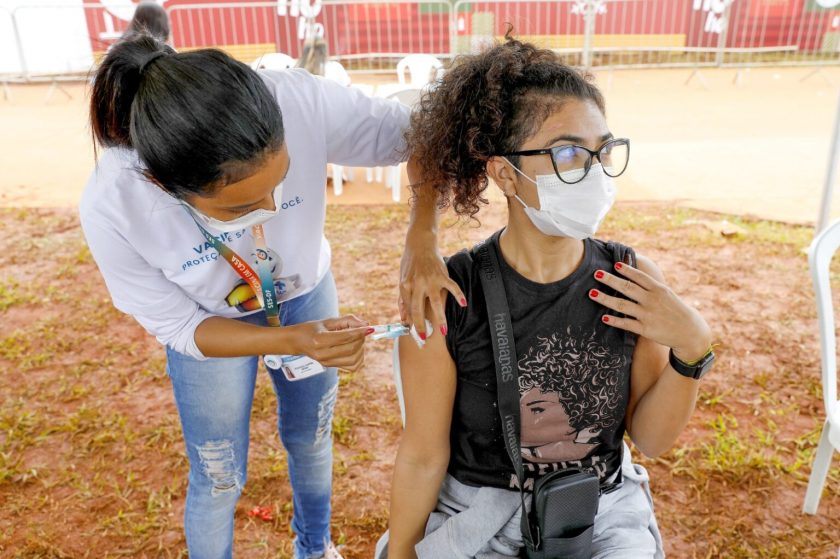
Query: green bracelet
[[705, 355]]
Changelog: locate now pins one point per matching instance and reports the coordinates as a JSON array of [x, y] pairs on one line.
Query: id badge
[[294, 367]]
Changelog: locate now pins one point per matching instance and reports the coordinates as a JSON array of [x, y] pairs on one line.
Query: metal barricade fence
[[556, 24], [246, 31], [66, 40], [369, 35], [661, 33], [782, 33], [374, 36]]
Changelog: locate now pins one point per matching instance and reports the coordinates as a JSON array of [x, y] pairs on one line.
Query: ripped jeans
[[214, 403]]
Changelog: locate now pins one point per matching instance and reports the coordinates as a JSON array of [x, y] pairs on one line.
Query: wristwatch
[[694, 370]]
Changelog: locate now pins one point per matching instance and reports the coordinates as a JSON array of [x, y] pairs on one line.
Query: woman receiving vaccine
[[603, 347]]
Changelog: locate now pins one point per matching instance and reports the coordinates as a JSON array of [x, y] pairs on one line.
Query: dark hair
[[198, 120], [583, 374], [488, 104], [149, 18]]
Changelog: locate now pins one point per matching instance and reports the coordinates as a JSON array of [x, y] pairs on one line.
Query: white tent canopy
[[831, 173], [55, 38]]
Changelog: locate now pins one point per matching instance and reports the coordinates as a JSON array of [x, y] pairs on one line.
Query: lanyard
[[262, 283]]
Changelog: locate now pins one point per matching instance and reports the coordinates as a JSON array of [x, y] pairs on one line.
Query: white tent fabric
[[831, 173]]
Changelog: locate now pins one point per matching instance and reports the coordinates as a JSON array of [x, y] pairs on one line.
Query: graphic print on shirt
[[242, 295], [570, 393]]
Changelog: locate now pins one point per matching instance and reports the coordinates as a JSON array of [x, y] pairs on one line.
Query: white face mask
[[255, 217], [571, 210]]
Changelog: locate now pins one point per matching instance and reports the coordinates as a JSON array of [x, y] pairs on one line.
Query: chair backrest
[[409, 96], [820, 253], [423, 68], [273, 61], [398, 379], [335, 71]]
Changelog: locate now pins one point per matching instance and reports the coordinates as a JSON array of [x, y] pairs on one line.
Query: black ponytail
[[149, 18], [198, 120]]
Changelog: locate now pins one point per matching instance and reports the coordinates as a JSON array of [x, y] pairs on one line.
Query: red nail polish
[[605, 318], [599, 275], [618, 265], [369, 331], [593, 293], [443, 330], [463, 302], [422, 336]]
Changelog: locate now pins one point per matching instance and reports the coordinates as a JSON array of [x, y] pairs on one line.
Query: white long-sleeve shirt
[[157, 265]]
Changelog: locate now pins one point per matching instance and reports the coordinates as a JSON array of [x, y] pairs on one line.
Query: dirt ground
[[91, 457], [92, 462], [756, 147]]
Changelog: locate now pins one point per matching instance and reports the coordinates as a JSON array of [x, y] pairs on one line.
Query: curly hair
[[485, 105], [585, 376]]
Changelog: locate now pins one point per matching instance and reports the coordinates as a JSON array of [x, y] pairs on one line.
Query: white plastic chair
[[334, 71], [424, 68], [820, 253], [381, 548], [409, 96], [338, 172], [273, 61]]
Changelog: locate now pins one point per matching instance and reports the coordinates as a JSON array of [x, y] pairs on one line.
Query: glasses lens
[[571, 163], [614, 157]]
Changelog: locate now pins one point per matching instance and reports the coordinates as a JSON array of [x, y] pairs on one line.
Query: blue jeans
[[214, 403]]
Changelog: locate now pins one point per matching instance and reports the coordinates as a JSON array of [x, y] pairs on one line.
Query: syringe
[[388, 331]]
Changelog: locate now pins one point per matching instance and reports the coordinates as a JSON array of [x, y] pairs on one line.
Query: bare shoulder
[[649, 267], [428, 374]]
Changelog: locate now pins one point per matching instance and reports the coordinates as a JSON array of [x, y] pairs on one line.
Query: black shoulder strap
[[504, 358], [622, 253]]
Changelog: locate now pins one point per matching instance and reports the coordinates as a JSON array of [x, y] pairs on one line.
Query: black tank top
[[574, 373]]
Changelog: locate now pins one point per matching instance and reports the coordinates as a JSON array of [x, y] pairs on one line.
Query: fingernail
[[443, 329], [370, 331], [422, 336], [599, 275], [618, 265], [593, 293], [463, 302], [605, 318]]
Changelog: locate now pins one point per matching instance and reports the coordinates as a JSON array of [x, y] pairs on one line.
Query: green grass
[[73, 369]]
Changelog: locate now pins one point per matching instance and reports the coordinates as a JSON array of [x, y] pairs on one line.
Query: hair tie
[[151, 58]]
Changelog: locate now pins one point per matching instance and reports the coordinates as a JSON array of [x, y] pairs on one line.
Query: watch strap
[[692, 370]]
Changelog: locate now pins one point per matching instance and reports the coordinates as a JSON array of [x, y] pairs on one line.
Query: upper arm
[[649, 358], [429, 380], [361, 130]]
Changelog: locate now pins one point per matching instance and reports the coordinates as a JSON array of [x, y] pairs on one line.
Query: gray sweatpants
[[484, 522]]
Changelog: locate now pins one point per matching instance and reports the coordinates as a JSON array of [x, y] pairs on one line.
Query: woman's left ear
[[501, 171]]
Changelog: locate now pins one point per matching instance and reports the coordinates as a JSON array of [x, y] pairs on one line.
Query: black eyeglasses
[[575, 161]]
